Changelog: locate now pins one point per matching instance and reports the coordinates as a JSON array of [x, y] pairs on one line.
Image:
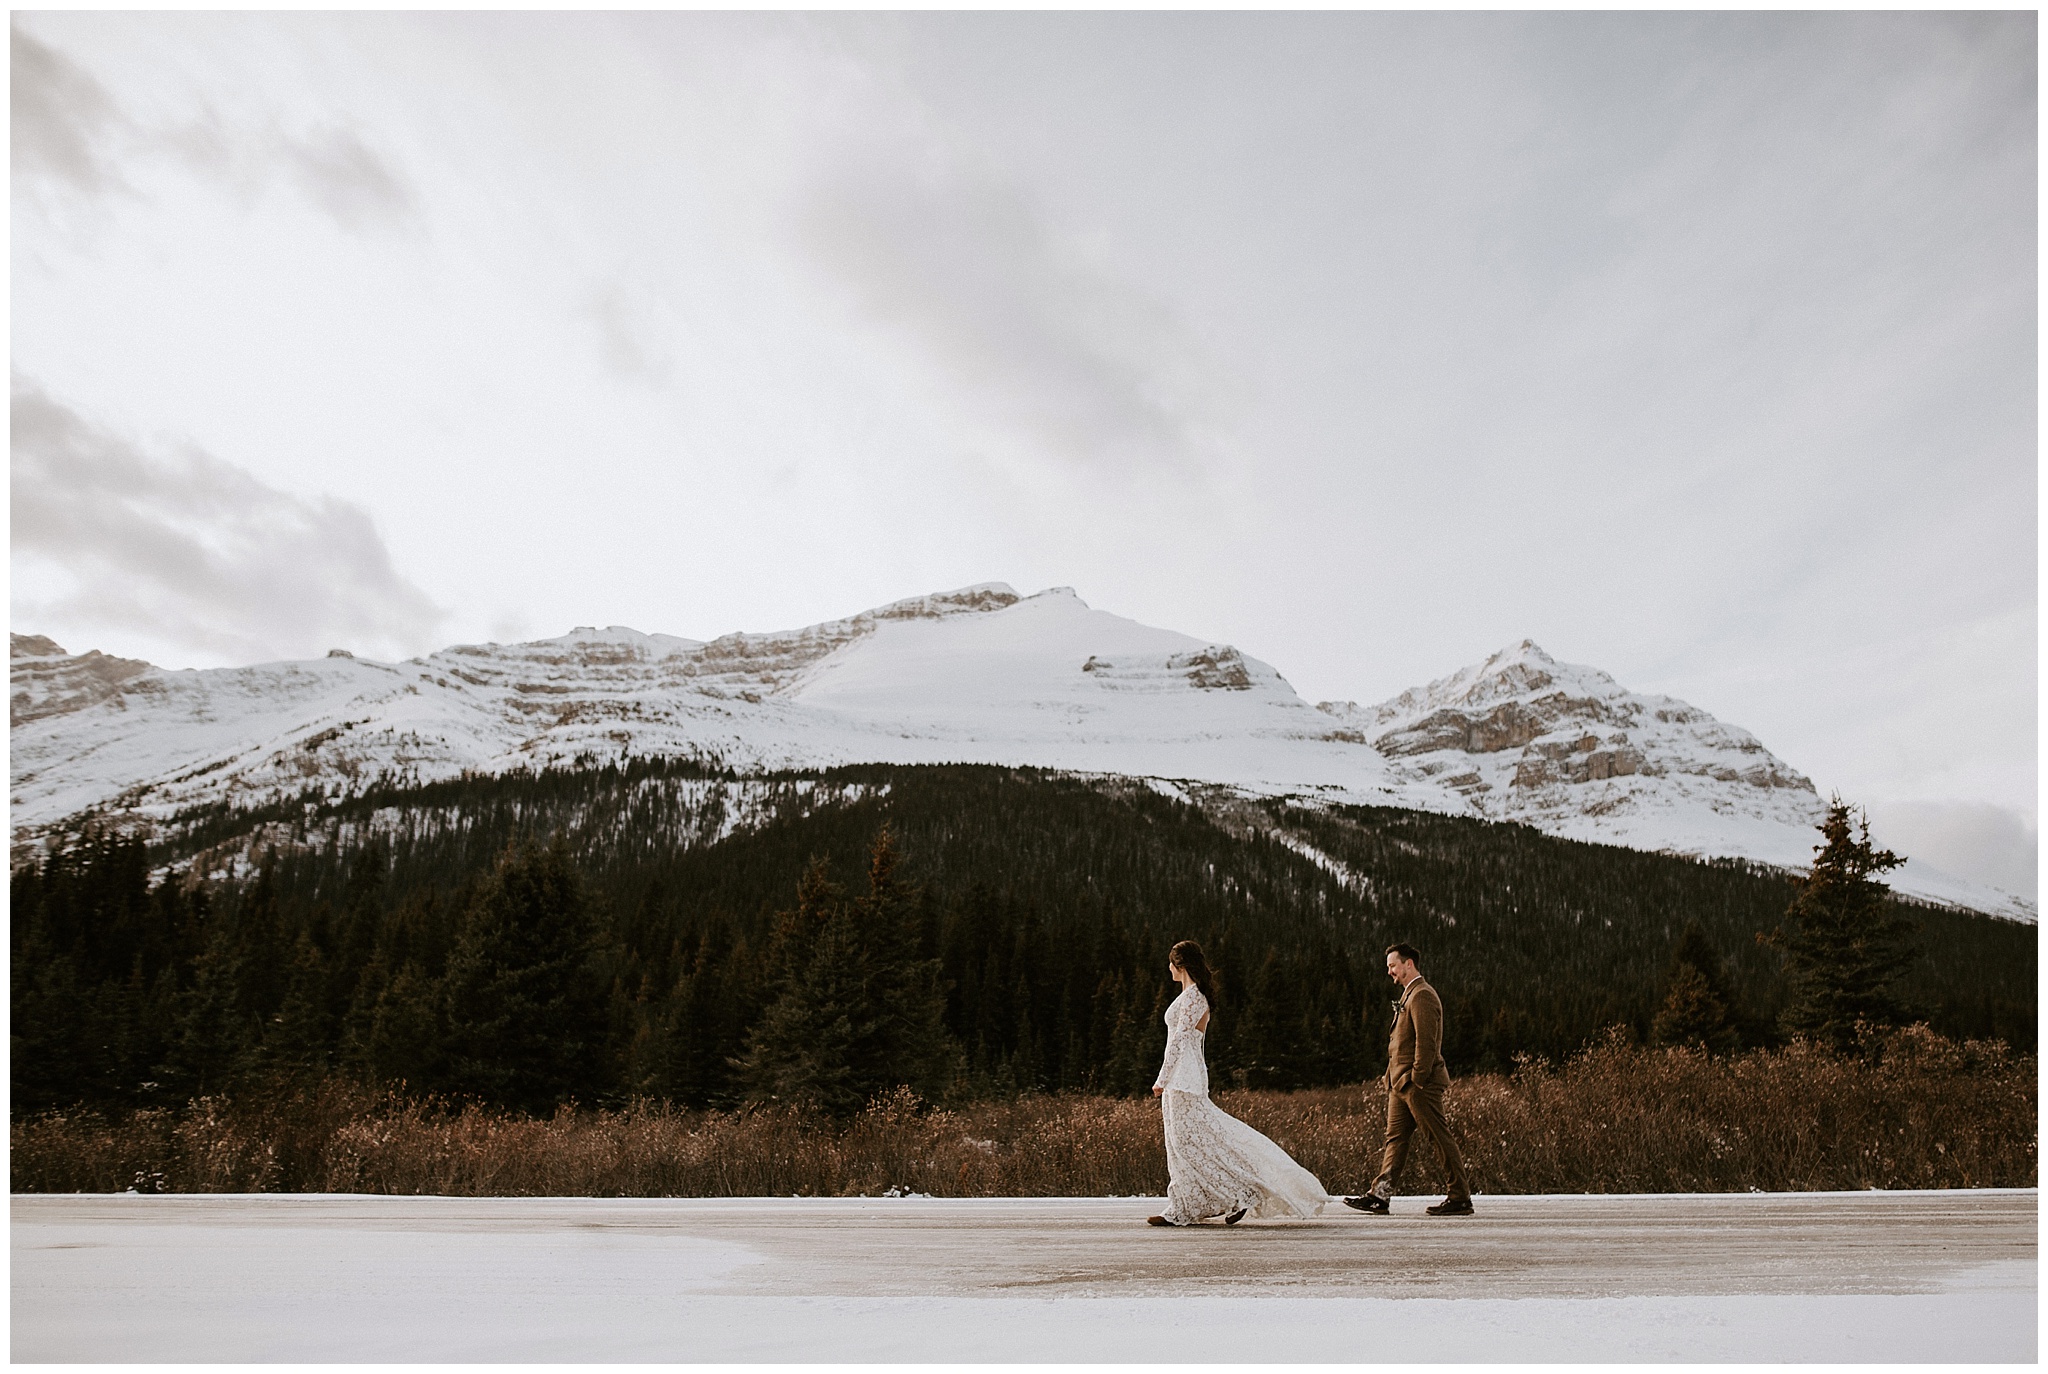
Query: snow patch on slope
[[683, 813]]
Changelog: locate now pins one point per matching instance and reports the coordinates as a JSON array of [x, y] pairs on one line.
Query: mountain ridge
[[980, 674]]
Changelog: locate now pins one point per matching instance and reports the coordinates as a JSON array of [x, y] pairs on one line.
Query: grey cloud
[[1989, 844], [68, 129], [62, 120], [1063, 352], [329, 165], [197, 551], [343, 177]]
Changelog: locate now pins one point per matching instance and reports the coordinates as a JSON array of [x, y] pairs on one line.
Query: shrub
[[1903, 1109]]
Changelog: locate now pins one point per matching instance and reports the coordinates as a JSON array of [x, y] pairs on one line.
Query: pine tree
[[357, 927], [1694, 948], [49, 1033], [796, 931], [803, 1052], [1026, 1065], [797, 1049], [1696, 1000], [407, 1037], [1692, 1015], [1104, 1018], [299, 1035], [912, 1046], [257, 933], [1845, 943], [858, 1011], [696, 1026], [526, 1016], [237, 984], [1269, 1044]]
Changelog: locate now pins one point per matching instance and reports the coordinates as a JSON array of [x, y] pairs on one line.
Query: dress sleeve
[[1176, 1045]]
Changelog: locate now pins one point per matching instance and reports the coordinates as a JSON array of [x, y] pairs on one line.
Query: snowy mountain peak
[[1527, 652], [1523, 661], [1519, 673], [1566, 748], [1566, 720], [975, 675]]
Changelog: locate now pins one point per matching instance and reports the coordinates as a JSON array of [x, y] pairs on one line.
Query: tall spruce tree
[[912, 1046], [858, 1010], [526, 1015], [298, 1037], [237, 984], [1846, 944], [406, 1039], [797, 1050], [805, 1050], [1691, 1015], [96, 962], [1696, 1003], [1269, 1045]]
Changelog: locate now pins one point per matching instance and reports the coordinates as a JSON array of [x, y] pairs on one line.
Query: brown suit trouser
[[1421, 1105]]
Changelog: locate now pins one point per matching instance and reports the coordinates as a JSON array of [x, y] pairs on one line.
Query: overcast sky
[[1698, 348]]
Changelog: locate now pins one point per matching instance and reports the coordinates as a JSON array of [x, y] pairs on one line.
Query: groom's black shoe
[[1451, 1207], [1371, 1202]]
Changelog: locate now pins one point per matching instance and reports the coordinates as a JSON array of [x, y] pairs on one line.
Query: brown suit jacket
[[1415, 1050]]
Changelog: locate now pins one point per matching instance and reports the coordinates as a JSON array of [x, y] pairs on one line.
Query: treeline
[[526, 940]]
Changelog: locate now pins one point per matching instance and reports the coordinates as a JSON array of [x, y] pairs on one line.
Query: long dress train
[[1214, 1162]]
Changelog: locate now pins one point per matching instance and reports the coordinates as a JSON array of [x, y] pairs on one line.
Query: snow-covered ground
[[1867, 1277], [979, 675]]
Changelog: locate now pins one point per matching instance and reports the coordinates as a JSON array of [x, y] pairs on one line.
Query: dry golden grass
[[1917, 1111]]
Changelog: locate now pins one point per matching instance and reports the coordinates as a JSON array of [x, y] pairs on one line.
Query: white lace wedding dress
[[1215, 1163]]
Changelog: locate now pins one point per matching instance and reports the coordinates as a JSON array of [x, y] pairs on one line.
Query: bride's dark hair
[[1188, 955]]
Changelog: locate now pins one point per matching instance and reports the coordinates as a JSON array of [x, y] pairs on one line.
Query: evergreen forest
[[658, 930]]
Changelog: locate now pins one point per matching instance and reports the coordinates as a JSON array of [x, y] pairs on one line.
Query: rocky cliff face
[[47, 681], [1567, 748], [1216, 668], [747, 667]]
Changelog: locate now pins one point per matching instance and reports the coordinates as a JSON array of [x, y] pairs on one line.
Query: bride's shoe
[[1234, 1218], [1157, 1221]]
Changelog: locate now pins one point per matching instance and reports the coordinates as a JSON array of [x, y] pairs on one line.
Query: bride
[[1217, 1165]]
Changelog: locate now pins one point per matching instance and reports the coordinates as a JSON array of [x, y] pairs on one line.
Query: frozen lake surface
[[1858, 1277]]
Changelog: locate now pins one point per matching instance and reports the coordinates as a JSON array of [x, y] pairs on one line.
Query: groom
[[1416, 1079]]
